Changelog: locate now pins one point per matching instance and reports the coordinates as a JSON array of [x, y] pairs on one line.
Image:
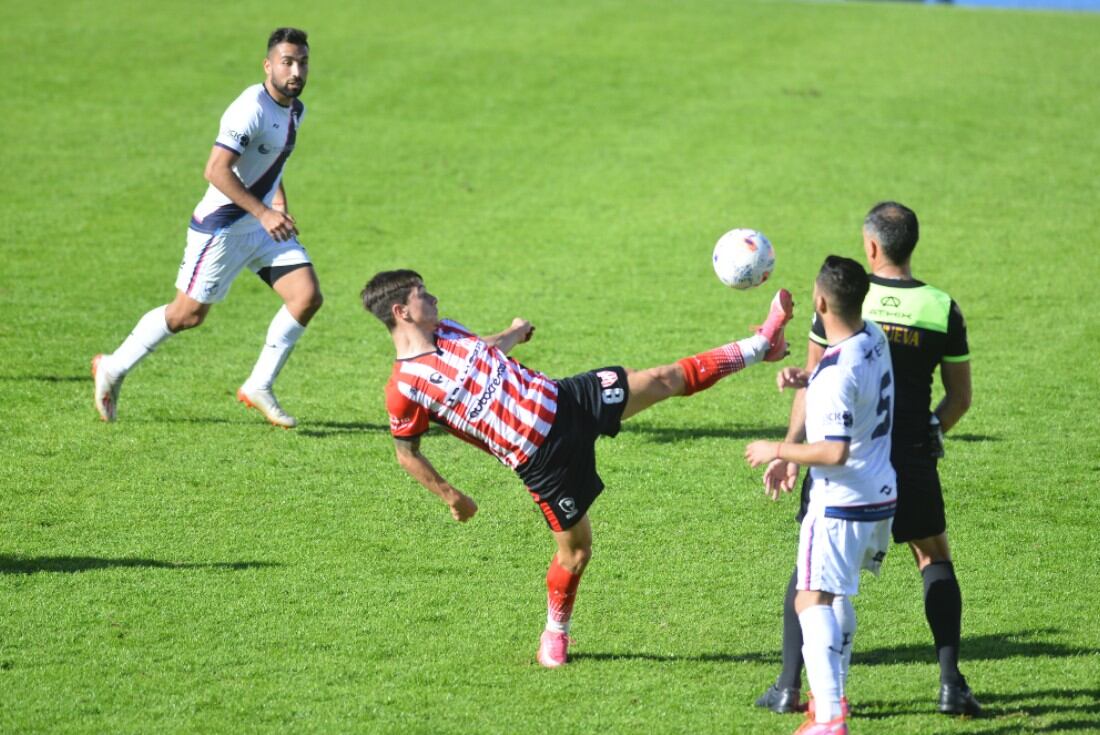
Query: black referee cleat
[[781, 701], [957, 699]]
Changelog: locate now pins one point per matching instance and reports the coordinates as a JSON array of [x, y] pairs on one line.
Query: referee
[[925, 329]]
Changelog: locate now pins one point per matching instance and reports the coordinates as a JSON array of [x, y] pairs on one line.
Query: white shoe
[[264, 401], [107, 388]]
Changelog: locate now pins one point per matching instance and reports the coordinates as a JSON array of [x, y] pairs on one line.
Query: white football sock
[[754, 348], [846, 619], [281, 338], [150, 331], [821, 653]]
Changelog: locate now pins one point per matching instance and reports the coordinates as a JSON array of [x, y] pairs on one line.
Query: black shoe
[[781, 701], [957, 699]]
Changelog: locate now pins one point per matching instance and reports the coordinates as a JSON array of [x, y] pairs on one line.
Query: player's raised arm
[[519, 331], [417, 465]]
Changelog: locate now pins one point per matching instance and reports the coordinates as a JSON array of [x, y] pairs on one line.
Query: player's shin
[[821, 651], [846, 618], [561, 592], [282, 335], [150, 331], [707, 368]]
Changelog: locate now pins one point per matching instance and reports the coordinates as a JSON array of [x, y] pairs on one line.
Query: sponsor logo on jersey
[[892, 302], [607, 378], [843, 418], [436, 379], [489, 392], [241, 138]]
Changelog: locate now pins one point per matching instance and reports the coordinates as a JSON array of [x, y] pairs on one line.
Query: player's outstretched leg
[[109, 370], [699, 372], [562, 580]]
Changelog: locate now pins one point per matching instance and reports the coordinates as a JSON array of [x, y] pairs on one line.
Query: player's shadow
[[327, 429], [73, 564], [1012, 705], [972, 438], [45, 378], [1019, 644], [673, 434]]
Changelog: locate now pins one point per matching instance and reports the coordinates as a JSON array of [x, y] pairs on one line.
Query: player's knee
[[575, 559], [181, 319]]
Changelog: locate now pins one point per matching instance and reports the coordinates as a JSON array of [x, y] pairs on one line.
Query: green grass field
[[190, 569]]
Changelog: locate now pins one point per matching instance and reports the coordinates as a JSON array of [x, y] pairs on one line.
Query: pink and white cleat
[[107, 388], [836, 726], [264, 401], [553, 649], [781, 311]]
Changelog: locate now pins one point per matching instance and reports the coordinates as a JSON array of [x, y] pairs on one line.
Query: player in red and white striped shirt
[[543, 429]]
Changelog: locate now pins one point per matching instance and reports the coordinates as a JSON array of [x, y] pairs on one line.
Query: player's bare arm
[[520, 330], [823, 453], [278, 202], [957, 393], [417, 465], [219, 172]]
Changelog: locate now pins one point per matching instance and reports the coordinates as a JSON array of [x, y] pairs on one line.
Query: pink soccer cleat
[[553, 649], [833, 727], [781, 311]]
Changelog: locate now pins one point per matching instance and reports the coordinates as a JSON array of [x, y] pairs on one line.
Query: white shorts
[[211, 262], [831, 551]]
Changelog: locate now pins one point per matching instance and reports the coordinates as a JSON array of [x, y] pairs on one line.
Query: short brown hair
[[386, 289]]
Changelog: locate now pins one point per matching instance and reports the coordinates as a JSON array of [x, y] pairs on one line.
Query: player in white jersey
[[242, 221], [849, 406], [544, 429]]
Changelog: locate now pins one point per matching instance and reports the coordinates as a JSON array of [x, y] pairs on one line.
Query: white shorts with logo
[[211, 262], [832, 551]]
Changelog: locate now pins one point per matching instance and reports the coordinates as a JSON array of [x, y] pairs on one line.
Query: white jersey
[[262, 132], [851, 398]]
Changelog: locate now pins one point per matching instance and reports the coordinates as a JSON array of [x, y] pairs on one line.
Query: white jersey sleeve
[[240, 124]]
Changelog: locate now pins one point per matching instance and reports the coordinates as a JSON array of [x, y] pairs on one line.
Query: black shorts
[[562, 476], [920, 513]]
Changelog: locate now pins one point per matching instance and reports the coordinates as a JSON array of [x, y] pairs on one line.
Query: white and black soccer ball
[[743, 258]]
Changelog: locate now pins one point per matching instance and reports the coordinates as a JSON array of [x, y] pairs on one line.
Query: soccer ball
[[743, 258]]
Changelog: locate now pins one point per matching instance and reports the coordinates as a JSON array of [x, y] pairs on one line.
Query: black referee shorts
[[920, 512], [562, 476]]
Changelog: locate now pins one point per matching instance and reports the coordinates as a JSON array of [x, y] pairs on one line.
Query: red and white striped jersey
[[476, 392]]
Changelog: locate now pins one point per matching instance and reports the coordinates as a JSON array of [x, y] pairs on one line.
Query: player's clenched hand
[[524, 328], [279, 225], [792, 377], [760, 452], [463, 508]]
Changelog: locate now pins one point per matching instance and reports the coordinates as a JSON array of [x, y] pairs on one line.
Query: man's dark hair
[[895, 228], [287, 35], [844, 284], [386, 289]]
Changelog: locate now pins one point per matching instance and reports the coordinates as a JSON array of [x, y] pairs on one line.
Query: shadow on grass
[[975, 438], [45, 378], [72, 564], [1019, 644], [671, 434], [1011, 706], [326, 429]]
